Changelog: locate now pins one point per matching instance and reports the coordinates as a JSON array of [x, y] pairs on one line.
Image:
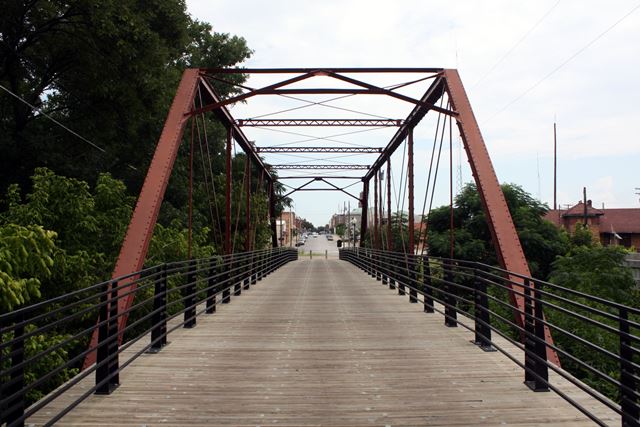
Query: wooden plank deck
[[320, 343]]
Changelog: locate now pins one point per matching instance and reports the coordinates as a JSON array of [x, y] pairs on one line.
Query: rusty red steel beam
[[317, 91], [298, 188], [380, 216], [227, 197], [389, 204], [247, 174], [346, 167], [320, 189], [267, 89], [355, 178], [503, 231], [309, 70], [410, 185], [272, 214], [145, 214], [320, 122], [343, 91], [365, 210], [223, 115], [433, 93], [382, 91], [335, 187], [375, 211], [325, 91], [319, 150]]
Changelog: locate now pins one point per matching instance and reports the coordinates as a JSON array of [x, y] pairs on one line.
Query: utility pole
[[555, 168]]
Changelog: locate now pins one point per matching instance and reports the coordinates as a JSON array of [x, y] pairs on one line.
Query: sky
[[524, 64]]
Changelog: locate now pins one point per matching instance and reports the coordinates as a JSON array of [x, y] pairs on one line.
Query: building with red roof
[[613, 226]]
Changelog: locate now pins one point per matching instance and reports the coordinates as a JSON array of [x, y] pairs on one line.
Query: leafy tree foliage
[[89, 227], [26, 258], [592, 269], [307, 225], [541, 240], [107, 69]]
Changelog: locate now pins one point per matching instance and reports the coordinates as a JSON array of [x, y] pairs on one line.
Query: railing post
[[427, 288], [481, 313], [189, 296], [390, 272], [413, 283], [260, 266], [226, 281], [397, 268], [368, 262], [159, 318], [450, 313], [254, 268], [237, 286], [247, 271], [15, 406], [211, 289], [384, 271], [107, 376], [628, 384], [114, 344], [536, 371]]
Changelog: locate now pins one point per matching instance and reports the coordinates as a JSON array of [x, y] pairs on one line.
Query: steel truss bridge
[[318, 341]]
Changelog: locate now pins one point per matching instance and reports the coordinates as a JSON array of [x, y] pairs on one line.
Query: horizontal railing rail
[[596, 340], [42, 346]]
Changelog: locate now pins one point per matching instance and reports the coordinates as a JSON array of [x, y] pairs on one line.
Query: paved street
[[320, 243]]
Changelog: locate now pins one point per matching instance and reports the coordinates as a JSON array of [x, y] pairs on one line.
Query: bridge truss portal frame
[[444, 81]]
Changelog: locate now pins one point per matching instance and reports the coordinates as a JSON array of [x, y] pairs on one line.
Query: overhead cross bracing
[[320, 122], [347, 167], [298, 87], [319, 149]]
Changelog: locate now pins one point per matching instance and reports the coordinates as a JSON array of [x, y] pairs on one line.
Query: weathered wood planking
[[320, 343]]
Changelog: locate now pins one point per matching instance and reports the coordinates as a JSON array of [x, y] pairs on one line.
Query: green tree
[[89, 227], [107, 69], [26, 258], [540, 239], [595, 270]]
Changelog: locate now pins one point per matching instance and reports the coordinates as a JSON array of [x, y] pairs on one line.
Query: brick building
[[612, 226], [287, 226]]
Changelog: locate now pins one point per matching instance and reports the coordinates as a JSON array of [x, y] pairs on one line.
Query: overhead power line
[[518, 43], [45, 114], [563, 63]]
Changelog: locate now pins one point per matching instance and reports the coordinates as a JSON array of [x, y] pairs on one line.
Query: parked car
[[300, 243], [329, 236]]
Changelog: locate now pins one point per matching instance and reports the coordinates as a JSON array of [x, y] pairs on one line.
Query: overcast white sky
[[594, 96]]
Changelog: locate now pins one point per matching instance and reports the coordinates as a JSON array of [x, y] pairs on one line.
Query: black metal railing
[[596, 340], [41, 358]]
